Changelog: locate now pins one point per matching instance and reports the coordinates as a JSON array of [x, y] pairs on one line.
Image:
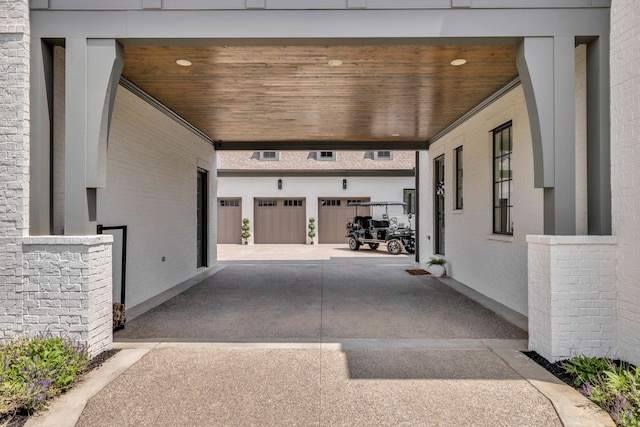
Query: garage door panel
[[280, 221], [229, 221], [333, 214]]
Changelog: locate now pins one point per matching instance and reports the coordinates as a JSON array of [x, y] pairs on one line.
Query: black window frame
[[502, 211], [409, 197], [459, 185]]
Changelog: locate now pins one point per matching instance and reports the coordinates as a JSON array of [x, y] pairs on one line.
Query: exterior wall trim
[[311, 4], [475, 110], [127, 84], [314, 172]]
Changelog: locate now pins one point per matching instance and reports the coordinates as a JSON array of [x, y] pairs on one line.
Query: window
[[267, 203], [409, 197], [293, 202], [458, 160], [330, 202], [227, 202], [502, 180], [382, 155], [269, 155], [326, 155], [202, 216]]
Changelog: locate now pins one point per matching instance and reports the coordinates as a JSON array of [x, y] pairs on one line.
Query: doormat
[[418, 272]]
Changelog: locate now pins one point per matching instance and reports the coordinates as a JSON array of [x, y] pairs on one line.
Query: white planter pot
[[436, 270]]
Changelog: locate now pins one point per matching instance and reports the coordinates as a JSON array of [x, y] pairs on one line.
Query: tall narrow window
[[502, 180], [201, 219], [409, 197], [458, 156]]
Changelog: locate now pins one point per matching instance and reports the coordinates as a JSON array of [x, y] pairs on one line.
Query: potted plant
[[312, 229], [436, 266], [245, 230]]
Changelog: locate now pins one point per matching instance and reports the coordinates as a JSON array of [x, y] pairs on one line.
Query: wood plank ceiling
[[291, 93]]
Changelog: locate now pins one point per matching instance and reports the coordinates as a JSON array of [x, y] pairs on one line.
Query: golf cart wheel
[[353, 243], [394, 246], [374, 246]]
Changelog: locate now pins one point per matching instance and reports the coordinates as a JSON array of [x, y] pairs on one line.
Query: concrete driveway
[[323, 336]]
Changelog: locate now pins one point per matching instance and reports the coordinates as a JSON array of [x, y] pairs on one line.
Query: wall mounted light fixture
[[279, 184], [344, 184]]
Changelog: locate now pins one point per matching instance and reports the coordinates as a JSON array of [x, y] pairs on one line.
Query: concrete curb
[[573, 409], [66, 409]]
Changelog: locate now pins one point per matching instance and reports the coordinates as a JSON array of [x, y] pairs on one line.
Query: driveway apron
[[326, 342]]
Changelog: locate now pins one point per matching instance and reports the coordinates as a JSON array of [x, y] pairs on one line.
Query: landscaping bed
[[35, 370], [614, 385]]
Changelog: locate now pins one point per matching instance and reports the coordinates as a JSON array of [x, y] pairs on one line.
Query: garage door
[[280, 221], [333, 215], [229, 221]]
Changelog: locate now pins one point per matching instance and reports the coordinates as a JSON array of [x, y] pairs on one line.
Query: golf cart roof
[[391, 203]]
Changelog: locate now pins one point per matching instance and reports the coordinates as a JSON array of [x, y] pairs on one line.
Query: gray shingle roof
[[307, 160]]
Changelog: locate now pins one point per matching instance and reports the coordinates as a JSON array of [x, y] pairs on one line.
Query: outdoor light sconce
[[279, 184], [344, 184]]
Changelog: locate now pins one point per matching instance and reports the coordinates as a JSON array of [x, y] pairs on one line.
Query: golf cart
[[366, 230]]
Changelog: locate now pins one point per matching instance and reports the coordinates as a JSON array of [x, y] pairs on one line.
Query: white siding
[[151, 188], [495, 266], [625, 169]]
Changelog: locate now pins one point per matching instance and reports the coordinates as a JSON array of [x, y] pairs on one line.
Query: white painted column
[[68, 288], [572, 296], [425, 209]]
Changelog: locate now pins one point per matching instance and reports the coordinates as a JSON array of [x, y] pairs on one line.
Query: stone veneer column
[[68, 288], [572, 296], [14, 159]]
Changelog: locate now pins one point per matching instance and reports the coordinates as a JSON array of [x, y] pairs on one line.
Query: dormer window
[[383, 155], [326, 155], [269, 155]]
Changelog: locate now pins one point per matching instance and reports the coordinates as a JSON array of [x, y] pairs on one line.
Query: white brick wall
[[14, 158], [151, 188], [68, 288], [495, 266], [572, 296], [625, 168]]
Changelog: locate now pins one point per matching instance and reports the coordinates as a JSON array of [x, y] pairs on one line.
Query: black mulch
[[555, 368], [19, 419]]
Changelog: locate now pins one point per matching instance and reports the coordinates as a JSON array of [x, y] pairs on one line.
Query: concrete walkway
[[321, 337]]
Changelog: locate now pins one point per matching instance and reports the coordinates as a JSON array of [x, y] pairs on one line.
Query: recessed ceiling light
[[183, 62], [458, 62], [395, 134], [335, 62]]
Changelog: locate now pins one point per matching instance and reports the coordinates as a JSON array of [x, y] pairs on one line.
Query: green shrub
[[245, 227], [35, 369], [437, 261], [312, 228], [615, 387]]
